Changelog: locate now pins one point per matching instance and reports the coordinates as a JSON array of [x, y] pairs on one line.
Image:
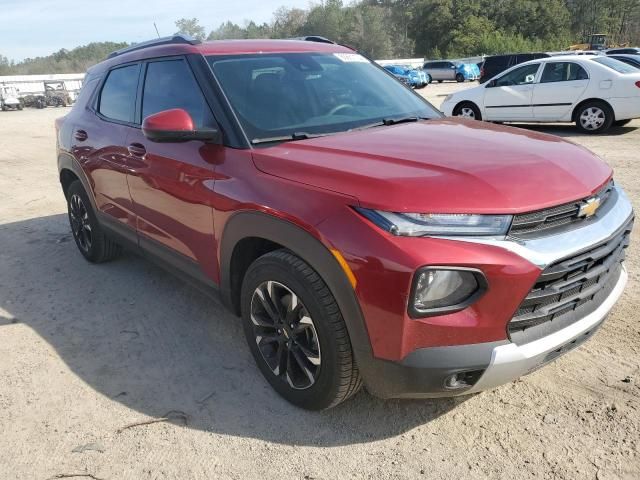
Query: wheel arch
[[69, 170], [574, 113], [248, 235]]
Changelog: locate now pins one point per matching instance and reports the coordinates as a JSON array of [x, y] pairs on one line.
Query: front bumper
[[426, 372], [511, 361]]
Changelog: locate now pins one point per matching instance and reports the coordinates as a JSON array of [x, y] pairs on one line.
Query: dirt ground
[[87, 352]]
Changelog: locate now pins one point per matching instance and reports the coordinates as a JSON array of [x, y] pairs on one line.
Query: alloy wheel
[[467, 112], [80, 223], [285, 334], [592, 118]]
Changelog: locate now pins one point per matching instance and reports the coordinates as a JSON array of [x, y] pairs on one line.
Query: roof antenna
[[156, 27]]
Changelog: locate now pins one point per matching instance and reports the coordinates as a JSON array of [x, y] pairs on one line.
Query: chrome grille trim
[[551, 220], [570, 289]]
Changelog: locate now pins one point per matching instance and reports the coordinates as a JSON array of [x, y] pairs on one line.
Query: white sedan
[[595, 92]]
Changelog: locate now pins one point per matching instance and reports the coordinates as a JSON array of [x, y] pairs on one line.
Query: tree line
[[404, 28]]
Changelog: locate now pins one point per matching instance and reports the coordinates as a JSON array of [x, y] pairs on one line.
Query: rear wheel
[[594, 117], [459, 77], [93, 244], [296, 332], [467, 110]]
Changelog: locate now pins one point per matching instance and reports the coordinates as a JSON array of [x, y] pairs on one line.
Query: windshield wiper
[[395, 121], [390, 121], [288, 138]]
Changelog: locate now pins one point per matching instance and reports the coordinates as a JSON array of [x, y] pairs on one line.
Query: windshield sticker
[[351, 57]]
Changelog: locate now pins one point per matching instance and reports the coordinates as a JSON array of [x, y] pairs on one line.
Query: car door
[[449, 72], [560, 87], [508, 97], [429, 69], [436, 70], [171, 184], [99, 145]]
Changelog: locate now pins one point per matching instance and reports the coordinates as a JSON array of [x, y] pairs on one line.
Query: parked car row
[[595, 92]]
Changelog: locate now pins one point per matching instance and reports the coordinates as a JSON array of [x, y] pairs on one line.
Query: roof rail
[[314, 38], [174, 39]]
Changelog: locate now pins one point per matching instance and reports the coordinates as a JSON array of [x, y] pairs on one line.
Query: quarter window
[[563, 72], [118, 96], [170, 84]]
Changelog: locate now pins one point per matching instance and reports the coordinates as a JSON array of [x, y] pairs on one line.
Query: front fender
[[308, 247]]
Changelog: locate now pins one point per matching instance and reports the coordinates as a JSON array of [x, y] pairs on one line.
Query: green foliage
[[63, 61], [191, 26], [405, 28]]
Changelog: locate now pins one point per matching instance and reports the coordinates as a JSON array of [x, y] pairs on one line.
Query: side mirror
[[176, 125], [492, 83]]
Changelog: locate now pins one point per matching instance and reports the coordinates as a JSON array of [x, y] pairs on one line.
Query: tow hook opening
[[462, 380]]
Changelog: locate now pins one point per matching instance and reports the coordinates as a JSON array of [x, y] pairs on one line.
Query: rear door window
[[170, 84], [563, 72], [118, 95]]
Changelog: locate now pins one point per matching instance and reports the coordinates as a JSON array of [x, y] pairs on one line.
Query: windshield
[[286, 94], [616, 65]]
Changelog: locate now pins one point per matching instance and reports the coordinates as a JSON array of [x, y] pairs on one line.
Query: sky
[[33, 28]]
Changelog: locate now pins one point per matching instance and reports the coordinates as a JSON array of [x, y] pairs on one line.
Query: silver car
[[442, 70]]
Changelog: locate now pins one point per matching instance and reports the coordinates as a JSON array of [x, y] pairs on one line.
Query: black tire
[[459, 77], [621, 123], [462, 108], [314, 381], [439, 81], [429, 79], [93, 244], [594, 117]]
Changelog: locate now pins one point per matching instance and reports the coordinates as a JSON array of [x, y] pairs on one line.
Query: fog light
[[461, 380], [441, 290]]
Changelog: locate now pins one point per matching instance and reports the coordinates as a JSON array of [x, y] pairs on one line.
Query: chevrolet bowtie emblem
[[589, 208]]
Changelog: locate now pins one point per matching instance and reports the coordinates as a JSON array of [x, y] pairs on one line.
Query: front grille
[[570, 289], [551, 220]]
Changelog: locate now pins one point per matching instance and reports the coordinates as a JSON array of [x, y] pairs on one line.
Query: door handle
[[80, 135], [137, 150]]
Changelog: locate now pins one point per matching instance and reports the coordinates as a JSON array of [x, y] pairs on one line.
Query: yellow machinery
[[596, 41]]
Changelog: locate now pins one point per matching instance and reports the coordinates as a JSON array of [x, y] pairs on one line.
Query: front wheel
[[594, 117], [467, 110], [459, 77], [296, 332]]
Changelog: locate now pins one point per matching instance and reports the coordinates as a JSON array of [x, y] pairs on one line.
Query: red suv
[[361, 236]]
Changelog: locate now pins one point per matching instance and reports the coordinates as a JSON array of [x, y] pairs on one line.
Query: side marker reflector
[[345, 266]]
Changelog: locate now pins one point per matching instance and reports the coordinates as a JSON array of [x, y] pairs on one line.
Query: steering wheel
[[335, 110]]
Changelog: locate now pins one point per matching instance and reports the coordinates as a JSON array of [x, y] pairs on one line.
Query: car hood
[[441, 166]]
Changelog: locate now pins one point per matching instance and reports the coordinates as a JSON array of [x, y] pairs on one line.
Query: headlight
[[423, 224], [438, 290]]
